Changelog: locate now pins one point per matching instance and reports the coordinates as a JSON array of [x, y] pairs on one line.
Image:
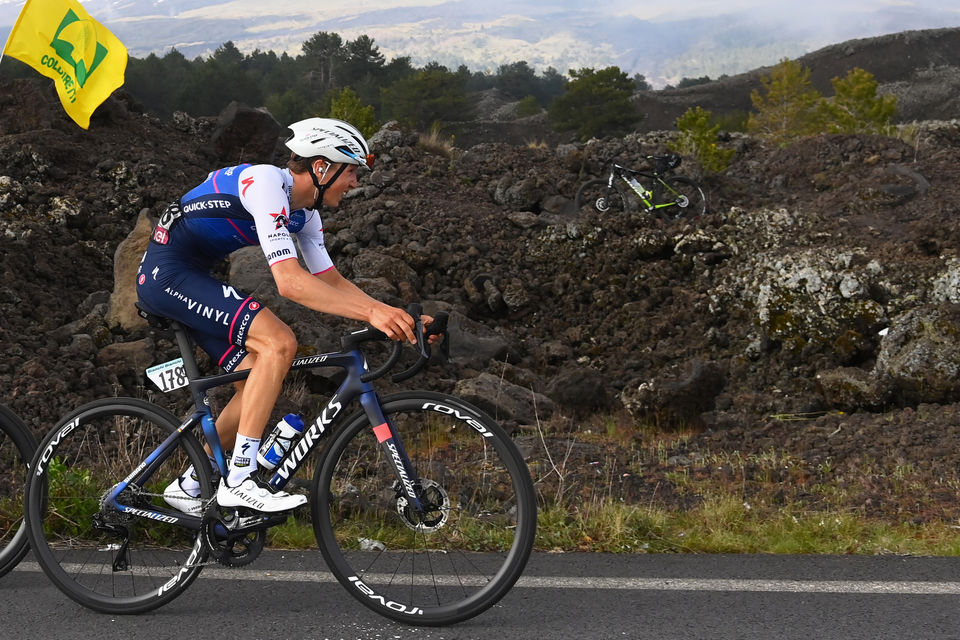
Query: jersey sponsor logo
[[169, 217], [254, 306], [281, 220], [279, 253], [234, 360], [242, 329], [230, 292], [247, 183], [142, 278], [199, 308], [206, 205]]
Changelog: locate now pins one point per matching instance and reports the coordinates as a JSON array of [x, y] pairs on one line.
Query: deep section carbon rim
[[17, 445], [105, 559], [463, 550]]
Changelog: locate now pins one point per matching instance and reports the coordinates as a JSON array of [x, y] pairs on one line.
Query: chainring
[[229, 547]]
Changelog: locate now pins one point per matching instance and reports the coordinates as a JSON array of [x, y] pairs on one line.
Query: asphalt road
[[561, 597]]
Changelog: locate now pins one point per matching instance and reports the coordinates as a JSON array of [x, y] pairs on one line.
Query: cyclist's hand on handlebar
[[427, 321], [394, 322]]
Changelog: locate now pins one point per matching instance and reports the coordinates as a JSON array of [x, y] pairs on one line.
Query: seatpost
[[186, 351]]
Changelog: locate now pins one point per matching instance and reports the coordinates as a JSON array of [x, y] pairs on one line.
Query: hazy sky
[[485, 33], [818, 11]]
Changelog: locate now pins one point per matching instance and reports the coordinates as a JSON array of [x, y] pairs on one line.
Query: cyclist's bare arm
[[329, 292]]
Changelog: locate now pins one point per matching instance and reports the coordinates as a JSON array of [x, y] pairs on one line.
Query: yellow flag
[[60, 40]]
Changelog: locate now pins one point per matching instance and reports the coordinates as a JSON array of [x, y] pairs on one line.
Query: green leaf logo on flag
[[76, 43]]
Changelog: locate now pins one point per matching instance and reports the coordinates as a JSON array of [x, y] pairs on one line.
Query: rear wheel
[[17, 445], [109, 559], [463, 549], [684, 197], [597, 195]]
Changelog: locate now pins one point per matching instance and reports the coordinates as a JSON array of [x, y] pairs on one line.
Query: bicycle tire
[[85, 455], [450, 563], [597, 196], [687, 197], [17, 446]]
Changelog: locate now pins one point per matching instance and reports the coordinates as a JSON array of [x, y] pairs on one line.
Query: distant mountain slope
[[664, 43], [922, 68]]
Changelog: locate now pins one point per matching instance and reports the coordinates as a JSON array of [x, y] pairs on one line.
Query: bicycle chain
[[217, 555]]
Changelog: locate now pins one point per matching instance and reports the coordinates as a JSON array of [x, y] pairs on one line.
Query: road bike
[[421, 504], [17, 446], [656, 190]]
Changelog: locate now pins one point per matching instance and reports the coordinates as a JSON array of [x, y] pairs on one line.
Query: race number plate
[[168, 376]]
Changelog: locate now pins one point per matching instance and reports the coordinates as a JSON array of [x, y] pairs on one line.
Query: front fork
[[389, 439]]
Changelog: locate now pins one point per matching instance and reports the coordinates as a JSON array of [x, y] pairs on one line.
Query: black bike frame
[[353, 387], [623, 173]]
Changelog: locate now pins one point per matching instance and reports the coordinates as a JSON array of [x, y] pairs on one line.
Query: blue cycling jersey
[[234, 207], [238, 207]]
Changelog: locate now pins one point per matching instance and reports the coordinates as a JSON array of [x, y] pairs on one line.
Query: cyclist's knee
[[270, 337], [286, 344]]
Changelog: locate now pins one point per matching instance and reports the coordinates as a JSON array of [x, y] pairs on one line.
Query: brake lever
[[439, 328]]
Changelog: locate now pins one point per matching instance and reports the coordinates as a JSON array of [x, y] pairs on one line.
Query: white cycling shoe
[[257, 495], [175, 496]]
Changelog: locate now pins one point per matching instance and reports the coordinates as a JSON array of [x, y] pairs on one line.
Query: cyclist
[[262, 205]]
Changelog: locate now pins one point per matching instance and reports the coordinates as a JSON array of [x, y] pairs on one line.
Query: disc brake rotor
[[435, 511]]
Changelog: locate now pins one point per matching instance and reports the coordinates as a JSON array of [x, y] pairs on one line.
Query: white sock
[[244, 461]]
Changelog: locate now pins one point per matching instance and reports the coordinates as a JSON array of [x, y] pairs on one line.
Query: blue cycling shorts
[[217, 316]]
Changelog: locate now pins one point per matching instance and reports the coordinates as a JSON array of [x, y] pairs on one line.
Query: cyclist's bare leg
[[229, 419], [273, 347]]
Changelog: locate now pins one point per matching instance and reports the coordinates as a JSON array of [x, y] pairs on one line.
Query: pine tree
[[432, 94], [790, 108], [347, 106], [856, 107], [698, 137], [595, 103]]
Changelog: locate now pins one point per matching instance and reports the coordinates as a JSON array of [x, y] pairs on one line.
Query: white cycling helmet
[[333, 139]]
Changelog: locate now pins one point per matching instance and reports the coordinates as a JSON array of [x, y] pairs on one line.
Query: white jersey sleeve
[[310, 239], [264, 195]]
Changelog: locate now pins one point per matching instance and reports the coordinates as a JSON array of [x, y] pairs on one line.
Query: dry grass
[[609, 486]]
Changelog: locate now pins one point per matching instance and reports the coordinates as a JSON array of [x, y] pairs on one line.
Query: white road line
[[623, 583]]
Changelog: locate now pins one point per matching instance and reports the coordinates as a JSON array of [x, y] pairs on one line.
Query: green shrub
[[529, 106], [699, 139]]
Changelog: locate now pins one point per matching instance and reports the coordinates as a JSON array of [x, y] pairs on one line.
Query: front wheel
[[681, 198], [463, 549], [598, 195], [17, 445], [105, 558]]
